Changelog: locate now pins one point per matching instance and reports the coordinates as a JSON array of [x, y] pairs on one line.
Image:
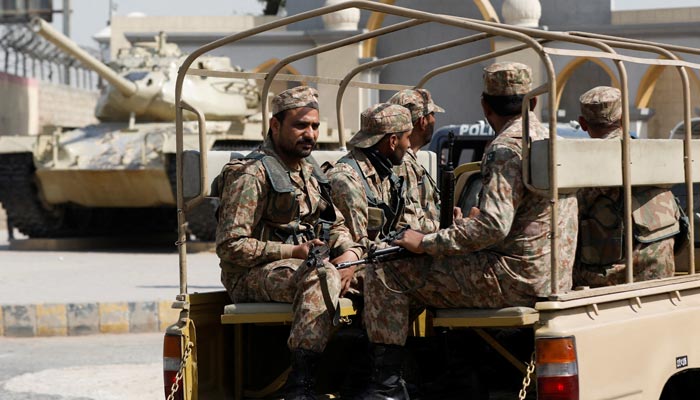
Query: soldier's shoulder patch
[[490, 156]]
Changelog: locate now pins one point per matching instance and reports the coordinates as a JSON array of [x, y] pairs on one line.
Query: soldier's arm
[[502, 193], [349, 198], [430, 199], [413, 214], [341, 239], [243, 201]]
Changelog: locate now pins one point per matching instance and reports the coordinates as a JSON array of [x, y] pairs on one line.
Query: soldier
[[496, 257], [364, 186], [371, 196], [275, 206], [422, 196], [600, 261]]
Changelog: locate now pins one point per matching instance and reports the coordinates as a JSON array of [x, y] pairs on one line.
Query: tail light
[[557, 369], [172, 356]]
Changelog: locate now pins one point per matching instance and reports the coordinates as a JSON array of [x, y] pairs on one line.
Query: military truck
[[118, 176], [636, 340]]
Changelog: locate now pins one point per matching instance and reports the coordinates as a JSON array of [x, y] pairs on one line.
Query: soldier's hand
[[346, 275], [411, 241], [345, 257], [457, 213], [474, 212], [301, 250]]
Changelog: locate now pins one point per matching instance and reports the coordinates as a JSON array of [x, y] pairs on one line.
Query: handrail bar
[[397, 57]]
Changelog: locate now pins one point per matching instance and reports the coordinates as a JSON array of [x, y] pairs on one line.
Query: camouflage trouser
[[651, 261], [290, 281], [451, 282]]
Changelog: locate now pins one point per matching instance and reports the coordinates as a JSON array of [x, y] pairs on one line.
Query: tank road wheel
[[21, 199]]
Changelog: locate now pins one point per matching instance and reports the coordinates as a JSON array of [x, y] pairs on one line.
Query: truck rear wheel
[[684, 385]]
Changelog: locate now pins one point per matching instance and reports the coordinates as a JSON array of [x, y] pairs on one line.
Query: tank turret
[[142, 81]]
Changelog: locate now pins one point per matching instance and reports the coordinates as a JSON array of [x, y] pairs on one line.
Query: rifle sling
[[333, 309]]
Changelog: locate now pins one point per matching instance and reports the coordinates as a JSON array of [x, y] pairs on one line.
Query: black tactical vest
[[281, 221]]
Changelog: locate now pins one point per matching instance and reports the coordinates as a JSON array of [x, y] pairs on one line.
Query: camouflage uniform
[[422, 195], [600, 261], [348, 184], [258, 226], [499, 258]]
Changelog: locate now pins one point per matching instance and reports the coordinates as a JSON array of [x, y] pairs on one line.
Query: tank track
[[201, 221], [22, 202], [20, 198]]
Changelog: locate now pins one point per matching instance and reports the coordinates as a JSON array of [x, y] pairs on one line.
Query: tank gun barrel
[[43, 28]]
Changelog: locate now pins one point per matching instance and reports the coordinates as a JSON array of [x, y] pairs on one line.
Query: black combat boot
[[386, 382], [302, 378]]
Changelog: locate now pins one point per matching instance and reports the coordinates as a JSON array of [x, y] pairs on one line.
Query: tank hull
[[117, 188]]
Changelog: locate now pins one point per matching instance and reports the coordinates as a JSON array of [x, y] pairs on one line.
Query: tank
[[117, 177]]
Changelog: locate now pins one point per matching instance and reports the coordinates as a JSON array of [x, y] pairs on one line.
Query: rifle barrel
[[377, 255]]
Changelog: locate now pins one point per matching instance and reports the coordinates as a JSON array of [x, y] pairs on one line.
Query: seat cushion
[[250, 313]]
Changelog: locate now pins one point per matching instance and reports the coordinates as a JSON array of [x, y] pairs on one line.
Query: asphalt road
[[100, 367], [114, 275]]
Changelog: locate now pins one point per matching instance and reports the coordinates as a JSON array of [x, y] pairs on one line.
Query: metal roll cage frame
[[530, 39]]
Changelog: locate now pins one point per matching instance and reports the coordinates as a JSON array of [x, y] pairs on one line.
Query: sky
[[90, 16]]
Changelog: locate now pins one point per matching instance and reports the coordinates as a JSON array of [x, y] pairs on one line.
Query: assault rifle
[[380, 255], [447, 186]]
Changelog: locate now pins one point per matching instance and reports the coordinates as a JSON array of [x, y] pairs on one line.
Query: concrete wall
[[28, 107], [667, 104], [670, 15], [65, 106], [18, 105], [574, 13]]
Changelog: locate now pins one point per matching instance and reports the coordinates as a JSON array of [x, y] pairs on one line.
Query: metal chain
[[527, 380], [178, 377]]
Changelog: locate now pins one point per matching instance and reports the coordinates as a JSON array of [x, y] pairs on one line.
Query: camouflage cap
[[601, 105], [507, 79], [296, 97], [379, 120], [418, 101]]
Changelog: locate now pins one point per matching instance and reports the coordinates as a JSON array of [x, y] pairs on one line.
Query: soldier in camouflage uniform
[[371, 196], [600, 260], [275, 206], [422, 196], [495, 258], [364, 186]]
